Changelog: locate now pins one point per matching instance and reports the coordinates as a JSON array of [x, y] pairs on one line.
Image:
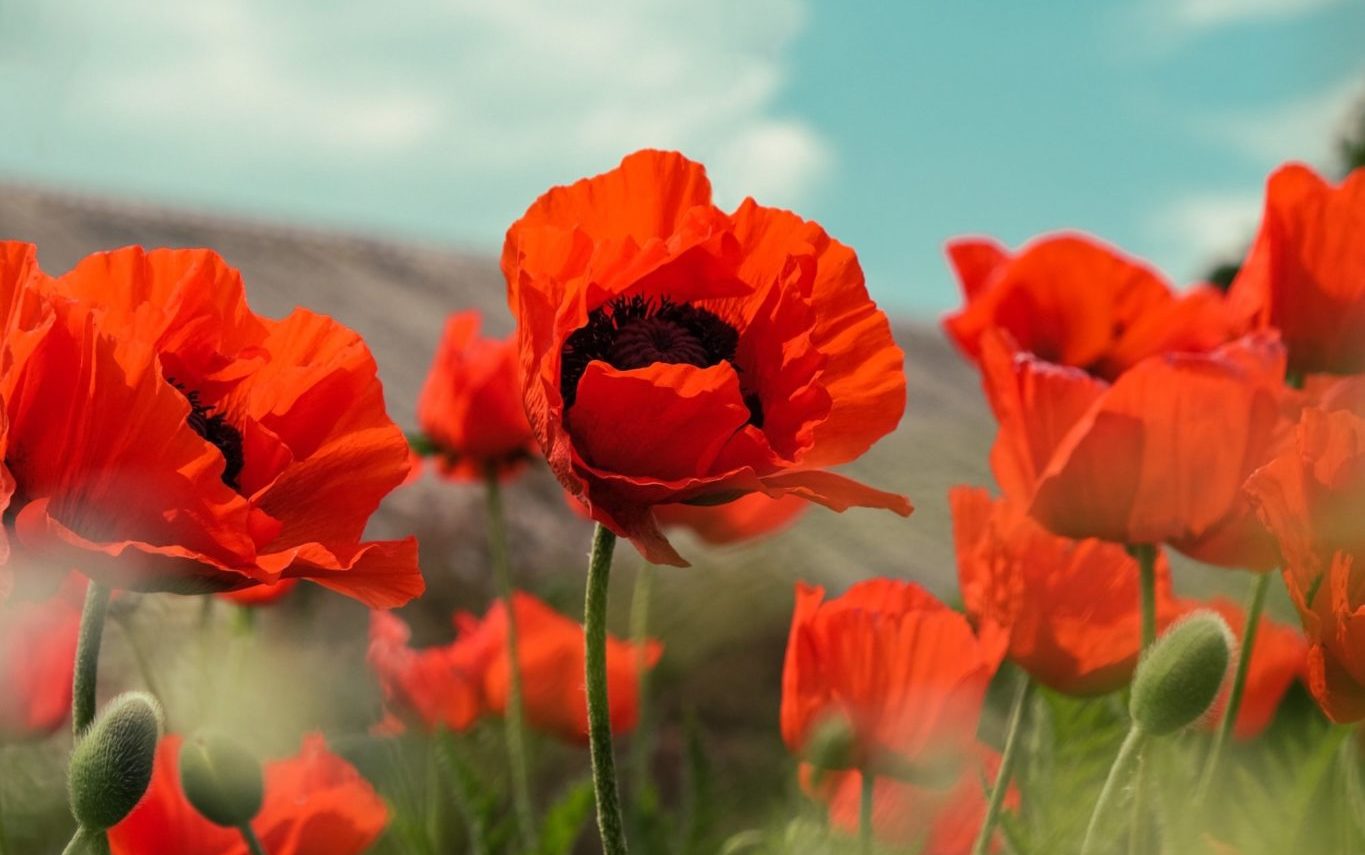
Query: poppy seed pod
[[111, 765], [1179, 677], [221, 779]]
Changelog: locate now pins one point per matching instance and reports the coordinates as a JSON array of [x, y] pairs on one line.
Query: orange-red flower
[[1305, 274], [1070, 606], [315, 804], [671, 352], [1312, 496], [1278, 658], [260, 595], [749, 517], [286, 416], [434, 687], [1159, 456], [942, 821], [470, 409], [37, 658], [903, 671], [1072, 300]]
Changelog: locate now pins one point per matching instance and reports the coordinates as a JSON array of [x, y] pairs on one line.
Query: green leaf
[[563, 823]]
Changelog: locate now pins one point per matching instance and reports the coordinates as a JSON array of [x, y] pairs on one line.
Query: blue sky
[[897, 125]]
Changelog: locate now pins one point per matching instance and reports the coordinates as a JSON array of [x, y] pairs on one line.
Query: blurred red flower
[[315, 804], [1312, 496], [37, 659], [904, 672], [1159, 456], [1070, 606], [1072, 300], [434, 687], [470, 408], [288, 416], [939, 821], [671, 352], [1305, 274]]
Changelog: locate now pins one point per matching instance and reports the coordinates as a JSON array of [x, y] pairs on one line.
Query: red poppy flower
[[1159, 456], [1072, 300], [287, 416], [260, 595], [937, 821], [1312, 496], [671, 352], [434, 687], [1305, 274], [315, 804], [552, 668], [37, 659], [1070, 606], [903, 671], [747, 518], [470, 408], [1278, 658]]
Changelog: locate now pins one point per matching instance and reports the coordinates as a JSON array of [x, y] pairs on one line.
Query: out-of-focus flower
[[37, 658], [1072, 300], [675, 353], [315, 803], [260, 595], [942, 821], [1278, 658], [1305, 274], [1070, 606], [1312, 496], [902, 672], [287, 416], [433, 687], [470, 409], [1159, 456]]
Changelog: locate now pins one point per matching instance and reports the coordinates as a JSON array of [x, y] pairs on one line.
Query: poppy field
[[203, 652]]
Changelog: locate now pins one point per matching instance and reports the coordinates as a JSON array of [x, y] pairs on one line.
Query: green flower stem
[[641, 746], [253, 843], [1128, 753], [87, 842], [1007, 761], [515, 718], [609, 821], [1146, 559], [1255, 606], [465, 791], [88, 657], [865, 805]]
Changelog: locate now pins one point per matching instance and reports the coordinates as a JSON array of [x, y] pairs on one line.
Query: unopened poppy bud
[[1179, 677], [111, 765], [832, 744], [221, 779]]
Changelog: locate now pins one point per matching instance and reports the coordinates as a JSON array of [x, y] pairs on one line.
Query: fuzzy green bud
[[1178, 679], [221, 779], [111, 764]]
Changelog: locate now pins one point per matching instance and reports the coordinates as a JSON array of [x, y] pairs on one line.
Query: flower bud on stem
[[609, 821], [111, 765]]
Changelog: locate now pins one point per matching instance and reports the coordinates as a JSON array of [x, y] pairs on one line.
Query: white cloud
[[483, 102], [1304, 128], [1199, 15], [1195, 231]]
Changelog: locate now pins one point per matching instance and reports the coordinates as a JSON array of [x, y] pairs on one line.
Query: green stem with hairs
[[1128, 753], [253, 843], [88, 657], [609, 822], [515, 718], [1007, 761], [87, 842], [1255, 606], [1145, 555], [866, 803]]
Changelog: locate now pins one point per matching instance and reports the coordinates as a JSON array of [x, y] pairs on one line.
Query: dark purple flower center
[[214, 428]]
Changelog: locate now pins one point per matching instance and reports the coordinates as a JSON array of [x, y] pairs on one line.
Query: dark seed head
[[215, 428]]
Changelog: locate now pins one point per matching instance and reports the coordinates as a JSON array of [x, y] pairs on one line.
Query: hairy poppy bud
[[221, 779], [111, 765], [1178, 679], [832, 744]]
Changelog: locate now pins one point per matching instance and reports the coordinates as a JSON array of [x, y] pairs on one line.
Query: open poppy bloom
[[315, 803], [1305, 274], [1312, 496], [287, 417], [1072, 300], [1070, 606], [900, 671], [470, 409], [37, 659], [1159, 456], [942, 821], [433, 687], [749, 517], [1278, 658], [672, 352]]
